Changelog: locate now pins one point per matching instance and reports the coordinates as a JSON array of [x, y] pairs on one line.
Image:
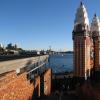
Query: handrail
[[36, 68]]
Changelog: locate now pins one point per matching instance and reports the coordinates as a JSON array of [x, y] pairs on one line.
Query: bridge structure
[[32, 73]]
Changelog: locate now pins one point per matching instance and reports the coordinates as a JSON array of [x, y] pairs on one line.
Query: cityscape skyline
[[36, 24]]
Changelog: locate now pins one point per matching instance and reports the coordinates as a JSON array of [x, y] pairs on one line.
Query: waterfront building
[[86, 43]]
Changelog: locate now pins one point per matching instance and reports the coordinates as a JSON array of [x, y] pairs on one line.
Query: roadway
[[13, 57], [10, 65]]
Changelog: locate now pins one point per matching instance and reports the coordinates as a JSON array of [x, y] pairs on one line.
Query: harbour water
[[61, 62]]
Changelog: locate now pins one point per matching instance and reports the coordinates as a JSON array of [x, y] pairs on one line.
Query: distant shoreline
[[68, 52]]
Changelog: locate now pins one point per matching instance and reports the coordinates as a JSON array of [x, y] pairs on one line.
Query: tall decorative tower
[[95, 30], [81, 43]]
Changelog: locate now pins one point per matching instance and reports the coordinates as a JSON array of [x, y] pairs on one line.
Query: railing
[[36, 70], [27, 64]]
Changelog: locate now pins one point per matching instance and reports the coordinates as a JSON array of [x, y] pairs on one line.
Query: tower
[[81, 43], [95, 31]]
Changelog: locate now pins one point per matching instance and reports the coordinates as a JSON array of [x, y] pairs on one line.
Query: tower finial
[[81, 2], [95, 15]]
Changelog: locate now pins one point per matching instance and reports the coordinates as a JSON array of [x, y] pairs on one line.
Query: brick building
[[86, 43]]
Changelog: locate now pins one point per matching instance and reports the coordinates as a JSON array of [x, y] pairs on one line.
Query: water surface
[[61, 63]]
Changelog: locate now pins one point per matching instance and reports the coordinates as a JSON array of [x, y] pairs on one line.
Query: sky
[[39, 24]]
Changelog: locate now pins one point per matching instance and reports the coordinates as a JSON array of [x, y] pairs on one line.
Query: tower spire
[[95, 25], [81, 17]]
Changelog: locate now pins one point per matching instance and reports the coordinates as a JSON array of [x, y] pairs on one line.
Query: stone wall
[[47, 82], [13, 87], [18, 87]]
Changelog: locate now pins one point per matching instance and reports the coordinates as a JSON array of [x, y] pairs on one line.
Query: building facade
[[86, 43]]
